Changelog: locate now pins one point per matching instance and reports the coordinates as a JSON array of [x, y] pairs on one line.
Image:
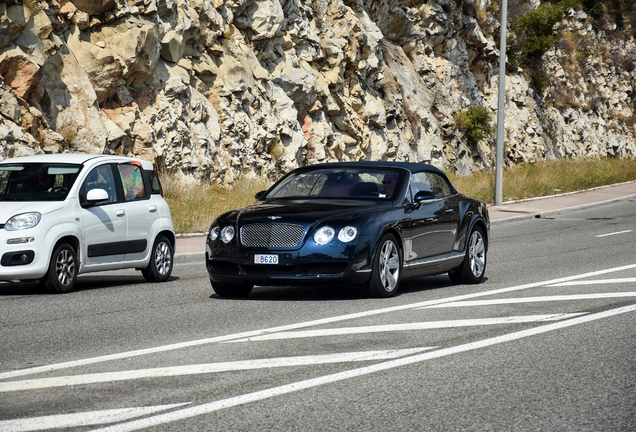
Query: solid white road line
[[595, 282], [327, 379], [614, 233], [408, 327], [207, 368], [92, 418], [141, 352], [569, 297]]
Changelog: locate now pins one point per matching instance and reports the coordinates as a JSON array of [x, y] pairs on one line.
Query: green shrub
[[536, 32], [474, 121]]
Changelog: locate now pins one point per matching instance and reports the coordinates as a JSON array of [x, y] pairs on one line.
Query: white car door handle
[[120, 212], [152, 209]]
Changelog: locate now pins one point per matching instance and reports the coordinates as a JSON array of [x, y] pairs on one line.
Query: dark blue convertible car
[[367, 224]]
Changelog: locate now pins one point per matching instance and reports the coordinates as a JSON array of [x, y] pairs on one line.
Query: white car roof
[[75, 158]]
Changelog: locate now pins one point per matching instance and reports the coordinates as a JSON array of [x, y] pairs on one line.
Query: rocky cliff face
[[212, 89]]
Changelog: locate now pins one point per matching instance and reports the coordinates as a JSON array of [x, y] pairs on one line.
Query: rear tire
[[161, 260], [62, 273], [386, 269], [231, 290], [473, 268]]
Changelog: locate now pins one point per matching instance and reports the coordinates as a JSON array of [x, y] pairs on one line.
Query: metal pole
[[501, 106]]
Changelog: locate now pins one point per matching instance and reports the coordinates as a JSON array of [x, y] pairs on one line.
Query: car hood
[[308, 211], [9, 209]]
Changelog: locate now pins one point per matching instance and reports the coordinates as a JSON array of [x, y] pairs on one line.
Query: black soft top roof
[[411, 166]]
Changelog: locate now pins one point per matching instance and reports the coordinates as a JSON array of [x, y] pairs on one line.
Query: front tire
[[387, 268], [473, 268], [231, 290], [62, 273], [161, 260]]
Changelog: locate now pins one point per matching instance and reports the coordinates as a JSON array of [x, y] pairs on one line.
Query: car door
[[433, 223], [105, 224], [141, 211]]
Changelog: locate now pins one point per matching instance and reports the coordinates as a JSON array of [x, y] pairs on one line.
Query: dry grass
[[195, 206], [548, 178]]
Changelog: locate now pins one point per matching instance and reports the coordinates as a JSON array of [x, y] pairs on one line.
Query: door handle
[[120, 212], [152, 209], [448, 211]]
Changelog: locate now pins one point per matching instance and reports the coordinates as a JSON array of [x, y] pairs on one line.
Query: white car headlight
[[23, 221], [347, 234], [227, 234], [214, 232], [324, 235]]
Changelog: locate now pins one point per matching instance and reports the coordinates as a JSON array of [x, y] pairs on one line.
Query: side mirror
[[259, 195], [425, 196], [95, 196]]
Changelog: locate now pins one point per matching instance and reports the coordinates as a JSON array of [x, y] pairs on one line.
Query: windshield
[[338, 183], [37, 181]]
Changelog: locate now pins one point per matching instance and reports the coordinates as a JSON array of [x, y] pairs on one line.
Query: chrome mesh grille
[[271, 235]]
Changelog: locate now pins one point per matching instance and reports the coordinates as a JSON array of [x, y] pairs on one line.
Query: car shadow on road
[[332, 292], [84, 283]]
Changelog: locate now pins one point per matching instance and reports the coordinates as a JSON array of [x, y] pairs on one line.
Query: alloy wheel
[[163, 258], [477, 254], [65, 267], [389, 266]]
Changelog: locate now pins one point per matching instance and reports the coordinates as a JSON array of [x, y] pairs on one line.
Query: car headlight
[[347, 234], [324, 235], [23, 221], [214, 232], [227, 234]]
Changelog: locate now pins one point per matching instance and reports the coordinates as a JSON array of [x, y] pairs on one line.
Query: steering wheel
[[59, 189]]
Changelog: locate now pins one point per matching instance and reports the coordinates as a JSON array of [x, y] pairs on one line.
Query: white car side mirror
[[96, 195]]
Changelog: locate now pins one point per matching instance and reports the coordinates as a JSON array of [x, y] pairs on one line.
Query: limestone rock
[[94, 7], [214, 89]]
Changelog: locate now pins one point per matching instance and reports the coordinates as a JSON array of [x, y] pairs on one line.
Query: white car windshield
[[37, 181], [337, 183]]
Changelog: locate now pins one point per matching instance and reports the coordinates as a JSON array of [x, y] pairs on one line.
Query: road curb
[[539, 215]]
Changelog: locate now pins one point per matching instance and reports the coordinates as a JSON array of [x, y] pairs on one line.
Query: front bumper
[[23, 254], [336, 263]]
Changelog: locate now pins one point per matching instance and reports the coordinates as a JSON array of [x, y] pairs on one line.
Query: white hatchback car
[[66, 214]]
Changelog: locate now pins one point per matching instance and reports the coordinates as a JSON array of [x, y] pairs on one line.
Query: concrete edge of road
[[555, 212], [510, 211], [555, 204]]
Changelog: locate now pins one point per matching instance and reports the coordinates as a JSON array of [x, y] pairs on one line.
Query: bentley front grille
[[271, 235]]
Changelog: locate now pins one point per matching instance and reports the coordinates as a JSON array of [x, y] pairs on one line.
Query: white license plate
[[265, 259]]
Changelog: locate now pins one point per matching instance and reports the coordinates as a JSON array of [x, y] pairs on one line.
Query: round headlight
[[347, 234], [23, 221], [214, 232], [324, 235], [227, 234]]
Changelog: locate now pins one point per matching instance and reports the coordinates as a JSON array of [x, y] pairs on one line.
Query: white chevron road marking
[[409, 327], [568, 297], [91, 418], [173, 371], [207, 408], [331, 320], [595, 282]]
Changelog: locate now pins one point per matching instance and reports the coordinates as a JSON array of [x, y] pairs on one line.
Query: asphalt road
[[547, 342]]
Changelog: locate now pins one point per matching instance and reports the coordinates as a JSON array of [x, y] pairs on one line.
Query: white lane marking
[[595, 282], [569, 297], [147, 351], [327, 379], [32, 384], [91, 418], [408, 327], [614, 233]]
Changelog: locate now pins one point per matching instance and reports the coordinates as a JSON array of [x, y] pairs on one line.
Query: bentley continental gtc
[[364, 224]]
